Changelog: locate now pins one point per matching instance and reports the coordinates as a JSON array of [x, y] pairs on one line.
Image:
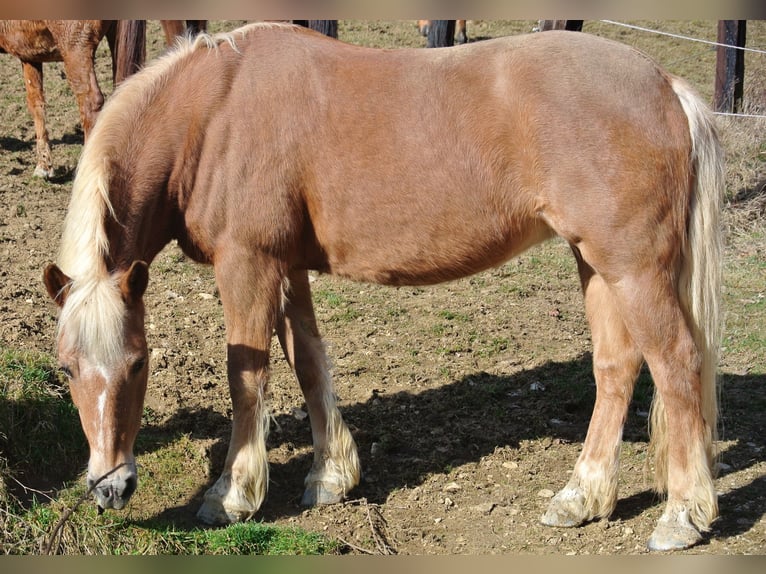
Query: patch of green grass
[[258, 538], [40, 430], [85, 532], [342, 308], [454, 316]]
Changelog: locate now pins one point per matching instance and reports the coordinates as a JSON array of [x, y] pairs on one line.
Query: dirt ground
[[469, 401]]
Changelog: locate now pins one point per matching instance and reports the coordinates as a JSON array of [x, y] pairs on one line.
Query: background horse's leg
[[172, 30], [78, 64], [33, 82], [461, 33], [251, 291], [194, 27], [336, 467], [592, 489]]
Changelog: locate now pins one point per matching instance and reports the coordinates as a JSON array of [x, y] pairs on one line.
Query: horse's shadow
[[442, 428], [16, 145]]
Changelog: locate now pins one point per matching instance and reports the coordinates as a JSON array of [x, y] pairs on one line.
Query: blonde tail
[[699, 289]]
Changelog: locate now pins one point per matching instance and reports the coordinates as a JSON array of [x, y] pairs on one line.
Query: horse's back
[[417, 166]]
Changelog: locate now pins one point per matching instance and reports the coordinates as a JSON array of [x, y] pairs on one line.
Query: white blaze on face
[[101, 405]]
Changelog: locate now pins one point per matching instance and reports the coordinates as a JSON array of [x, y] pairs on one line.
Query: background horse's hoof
[[566, 509], [43, 173], [319, 493]]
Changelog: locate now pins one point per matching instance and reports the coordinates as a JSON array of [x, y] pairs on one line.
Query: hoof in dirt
[[317, 493], [215, 512], [43, 173], [673, 536], [566, 509]]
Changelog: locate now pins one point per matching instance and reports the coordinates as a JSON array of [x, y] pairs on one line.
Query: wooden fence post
[[574, 25], [730, 66]]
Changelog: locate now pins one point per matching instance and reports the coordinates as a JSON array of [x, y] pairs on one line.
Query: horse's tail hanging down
[[701, 274], [129, 49]]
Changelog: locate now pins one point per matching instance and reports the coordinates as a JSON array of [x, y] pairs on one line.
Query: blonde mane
[[93, 315]]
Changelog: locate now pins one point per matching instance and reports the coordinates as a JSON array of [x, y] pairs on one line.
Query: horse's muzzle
[[114, 491]]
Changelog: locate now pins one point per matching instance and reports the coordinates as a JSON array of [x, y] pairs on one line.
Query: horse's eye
[[67, 371], [138, 366]]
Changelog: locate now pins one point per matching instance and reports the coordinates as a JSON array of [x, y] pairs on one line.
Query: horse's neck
[[141, 226]]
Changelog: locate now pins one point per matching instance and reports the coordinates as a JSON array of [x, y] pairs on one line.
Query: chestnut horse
[[74, 43], [302, 155]]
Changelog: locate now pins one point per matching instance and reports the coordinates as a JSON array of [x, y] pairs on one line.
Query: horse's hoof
[[566, 509], [220, 508], [673, 537], [214, 514], [43, 173], [321, 493], [674, 533]]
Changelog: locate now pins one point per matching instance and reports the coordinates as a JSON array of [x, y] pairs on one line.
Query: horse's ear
[[134, 282], [57, 284]]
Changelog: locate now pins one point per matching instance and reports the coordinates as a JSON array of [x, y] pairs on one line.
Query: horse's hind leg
[[336, 464], [33, 82], [681, 436], [78, 64], [652, 314], [592, 489]]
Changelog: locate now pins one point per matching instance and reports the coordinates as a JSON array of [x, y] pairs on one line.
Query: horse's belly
[[429, 255]]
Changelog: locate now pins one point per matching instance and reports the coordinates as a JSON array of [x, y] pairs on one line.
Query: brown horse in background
[[175, 29], [308, 153], [460, 36], [74, 42]]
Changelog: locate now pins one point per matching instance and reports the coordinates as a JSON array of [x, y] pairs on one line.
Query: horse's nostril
[[105, 490], [131, 482]]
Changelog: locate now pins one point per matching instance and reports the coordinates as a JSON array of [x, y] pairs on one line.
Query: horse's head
[[102, 350]]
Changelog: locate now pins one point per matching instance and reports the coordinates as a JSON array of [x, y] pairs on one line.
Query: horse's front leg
[[336, 467], [251, 294]]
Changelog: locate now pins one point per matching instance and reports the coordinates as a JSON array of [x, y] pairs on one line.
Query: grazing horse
[[301, 155], [74, 43]]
